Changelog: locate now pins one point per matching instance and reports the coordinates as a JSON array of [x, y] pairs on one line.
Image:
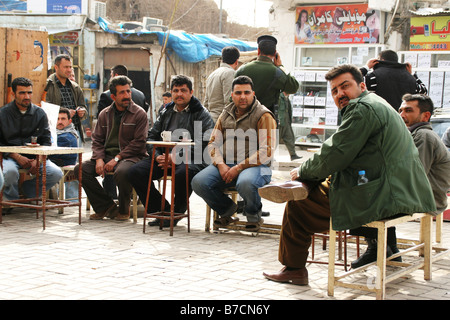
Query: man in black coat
[[390, 79], [137, 96], [185, 114]]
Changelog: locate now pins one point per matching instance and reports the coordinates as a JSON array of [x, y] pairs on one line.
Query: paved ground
[[115, 260]]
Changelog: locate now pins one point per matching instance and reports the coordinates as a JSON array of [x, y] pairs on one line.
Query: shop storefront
[[429, 54], [326, 36]]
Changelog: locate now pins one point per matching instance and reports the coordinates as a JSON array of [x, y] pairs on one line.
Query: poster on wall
[[345, 24], [64, 6], [430, 33]]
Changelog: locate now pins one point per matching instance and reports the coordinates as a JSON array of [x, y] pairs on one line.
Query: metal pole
[[220, 17]]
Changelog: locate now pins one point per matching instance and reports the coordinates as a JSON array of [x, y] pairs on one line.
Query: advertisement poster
[[430, 33], [63, 6], [345, 24]]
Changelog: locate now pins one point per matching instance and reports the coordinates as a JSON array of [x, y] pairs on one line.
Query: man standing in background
[[218, 84]]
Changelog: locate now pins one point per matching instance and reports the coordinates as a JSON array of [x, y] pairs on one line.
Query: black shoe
[[295, 157], [166, 223], [371, 254], [393, 250], [367, 257]]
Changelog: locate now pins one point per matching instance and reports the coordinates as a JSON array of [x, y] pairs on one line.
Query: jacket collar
[[194, 105], [264, 59], [420, 125]]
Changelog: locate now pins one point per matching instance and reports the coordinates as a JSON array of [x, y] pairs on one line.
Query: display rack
[[315, 116]]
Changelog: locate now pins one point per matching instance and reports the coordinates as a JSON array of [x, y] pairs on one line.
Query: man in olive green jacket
[[371, 137]]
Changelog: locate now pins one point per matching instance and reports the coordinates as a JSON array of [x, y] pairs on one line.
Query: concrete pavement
[[106, 260]]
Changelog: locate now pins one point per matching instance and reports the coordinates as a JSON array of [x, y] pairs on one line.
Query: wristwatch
[[116, 159]]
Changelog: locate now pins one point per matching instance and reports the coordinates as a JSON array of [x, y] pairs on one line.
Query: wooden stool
[[423, 245], [342, 240], [239, 225], [68, 175]]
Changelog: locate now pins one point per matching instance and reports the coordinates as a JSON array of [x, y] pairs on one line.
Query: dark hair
[[299, 18], [230, 54], [388, 55], [118, 81], [167, 94], [59, 57], [242, 80], [120, 70], [179, 80], [21, 81], [424, 102], [267, 47], [345, 68], [66, 111]]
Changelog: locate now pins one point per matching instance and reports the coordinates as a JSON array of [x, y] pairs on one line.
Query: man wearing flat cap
[[268, 75]]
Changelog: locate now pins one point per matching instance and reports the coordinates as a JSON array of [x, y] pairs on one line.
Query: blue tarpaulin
[[189, 47], [9, 5]]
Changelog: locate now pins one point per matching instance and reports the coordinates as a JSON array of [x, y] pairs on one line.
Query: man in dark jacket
[[19, 121], [66, 93], [67, 137], [184, 114], [390, 79], [118, 142], [137, 96], [416, 111]]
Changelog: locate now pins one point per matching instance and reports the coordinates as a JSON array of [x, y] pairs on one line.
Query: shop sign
[[65, 38], [345, 24], [64, 6], [430, 33]]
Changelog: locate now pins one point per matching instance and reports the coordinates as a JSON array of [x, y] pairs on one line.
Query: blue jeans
[[11, 176], [209, 185]]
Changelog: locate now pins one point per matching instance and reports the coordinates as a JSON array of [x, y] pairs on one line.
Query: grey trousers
[[97, 195]]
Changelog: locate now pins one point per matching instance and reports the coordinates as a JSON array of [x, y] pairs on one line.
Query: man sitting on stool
[[67, 137], [118, 142], [241, 148], [371, 137]]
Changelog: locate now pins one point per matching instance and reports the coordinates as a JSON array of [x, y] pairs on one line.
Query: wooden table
[[33, 203], [164, 215]]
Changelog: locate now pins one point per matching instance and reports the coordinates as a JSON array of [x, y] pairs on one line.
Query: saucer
[[32, 145]]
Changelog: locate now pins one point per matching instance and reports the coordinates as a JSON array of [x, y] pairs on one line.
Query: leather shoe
[[283, 192], [101, 215], [290, 275]]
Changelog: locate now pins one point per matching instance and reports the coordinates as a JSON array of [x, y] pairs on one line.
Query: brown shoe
[[101, 215], [295, 276], [283, 192], [122, 217]]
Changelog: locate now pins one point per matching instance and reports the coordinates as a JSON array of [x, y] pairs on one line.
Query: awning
[[189, 47]]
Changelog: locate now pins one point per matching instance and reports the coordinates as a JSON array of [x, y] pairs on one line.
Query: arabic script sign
[[430, 33], [337, 24]]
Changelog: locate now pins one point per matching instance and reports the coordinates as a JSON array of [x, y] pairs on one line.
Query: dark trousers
[[138, 175], [300, 221], [304, 218], [98, 197]]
